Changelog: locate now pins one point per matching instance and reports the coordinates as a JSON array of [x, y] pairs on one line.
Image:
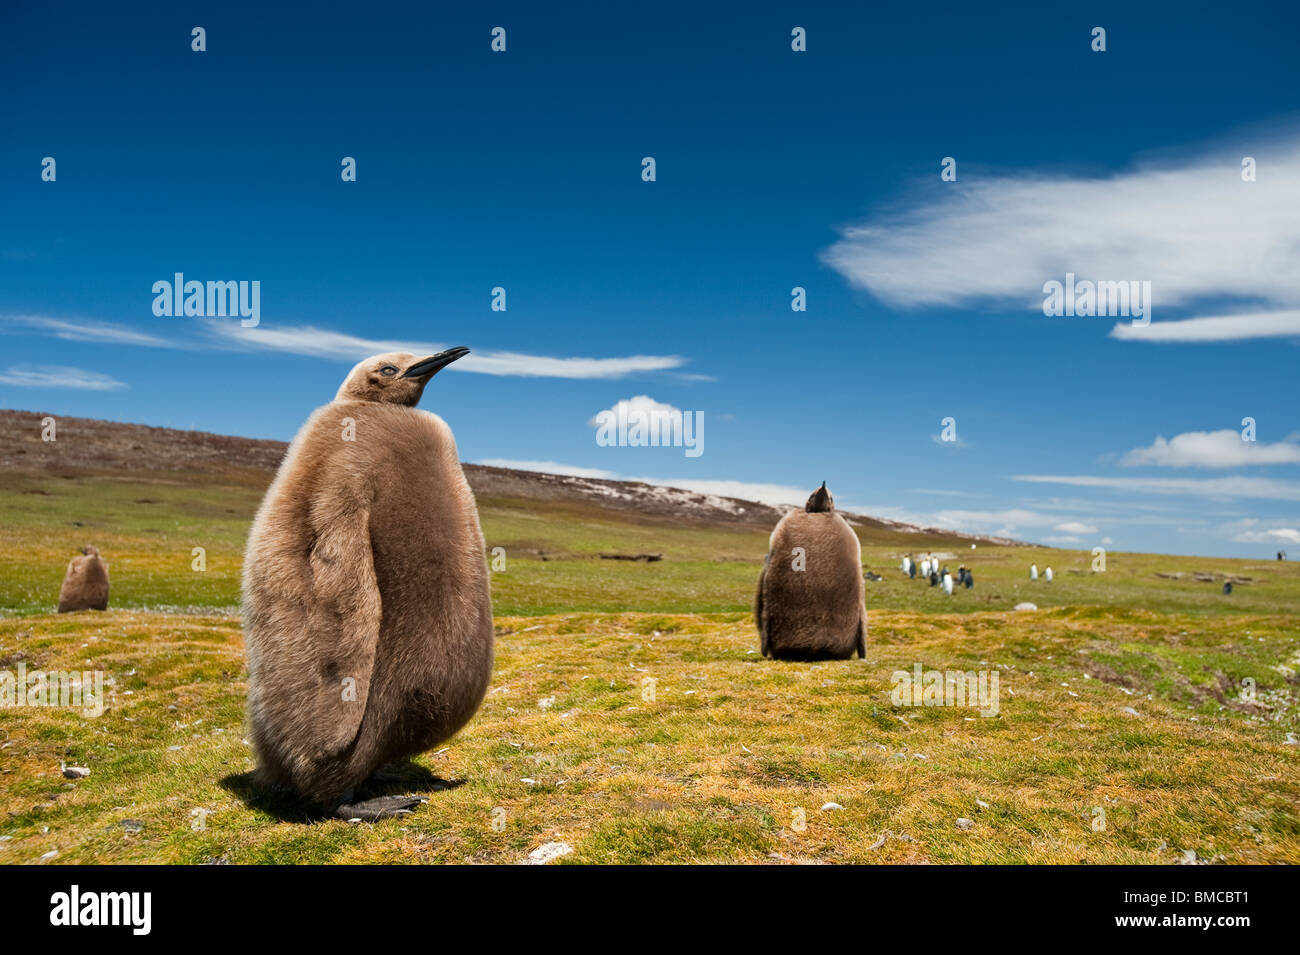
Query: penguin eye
[[388, 371]]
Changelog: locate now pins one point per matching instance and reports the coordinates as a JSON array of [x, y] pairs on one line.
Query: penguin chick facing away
[[811, 600], [367, 614], [85, 585]]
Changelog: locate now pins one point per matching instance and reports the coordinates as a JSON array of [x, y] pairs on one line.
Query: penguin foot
[[381, 807]]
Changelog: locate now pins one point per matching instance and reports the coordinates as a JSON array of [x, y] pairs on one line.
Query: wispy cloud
[[1225, 487], [1076, 527], [1010, 522], [1192, 228], [1211, 449], [58, 376], [1217, 328], [322, 343], [88, 331], [312, 342]]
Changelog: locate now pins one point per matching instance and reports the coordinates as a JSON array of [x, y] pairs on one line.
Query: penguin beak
[[428, 367]]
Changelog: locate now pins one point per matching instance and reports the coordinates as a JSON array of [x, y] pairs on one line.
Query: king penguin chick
[[85, 586], [367, 614], [811, 600]]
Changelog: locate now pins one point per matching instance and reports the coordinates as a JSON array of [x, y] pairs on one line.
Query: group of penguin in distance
[[367, 613], [938, 578]]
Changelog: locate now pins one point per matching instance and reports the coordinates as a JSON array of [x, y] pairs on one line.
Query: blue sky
[[775, 169]]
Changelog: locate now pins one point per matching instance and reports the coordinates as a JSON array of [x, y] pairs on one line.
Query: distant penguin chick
[[811, 602], [85, 585], [367, 613]]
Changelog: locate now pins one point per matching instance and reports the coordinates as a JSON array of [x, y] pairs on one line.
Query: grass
[[731, 760], [718, 765], [148, 529]]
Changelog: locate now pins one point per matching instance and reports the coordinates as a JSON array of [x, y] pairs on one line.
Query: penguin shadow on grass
[[281, 802]]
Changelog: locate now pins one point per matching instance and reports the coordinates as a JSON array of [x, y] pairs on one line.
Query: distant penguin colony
[[811, 602], [367, 613], [85, 585]]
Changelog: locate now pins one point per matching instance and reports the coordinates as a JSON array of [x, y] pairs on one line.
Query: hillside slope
[[87, 446]]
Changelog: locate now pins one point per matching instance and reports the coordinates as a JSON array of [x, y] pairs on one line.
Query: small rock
[[964, 823], [74, 772], [981, 803], [830, 806], [1026, 606], [132, 825], [546, 702], [548, 852], [1130, 711]]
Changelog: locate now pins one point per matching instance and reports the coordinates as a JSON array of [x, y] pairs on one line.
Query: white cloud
[[58, 376], [1215, 328], [1012, 522], [1192, 228], [1211, 449], [312, 342], [1276, 535], [322, 343], [1225, 487], [622, 410], [1075, 527], [89, 331]]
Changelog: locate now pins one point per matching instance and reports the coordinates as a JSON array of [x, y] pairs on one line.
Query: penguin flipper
[[343, 624], [758, 608]]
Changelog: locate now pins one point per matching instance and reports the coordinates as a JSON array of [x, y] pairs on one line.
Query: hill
[[87, 446]]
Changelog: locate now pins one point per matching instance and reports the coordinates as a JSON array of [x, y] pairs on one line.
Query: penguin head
[[820, 502], [90, 551], [395, 378]]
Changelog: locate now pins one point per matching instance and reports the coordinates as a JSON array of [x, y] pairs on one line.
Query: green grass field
[[1128, 730]]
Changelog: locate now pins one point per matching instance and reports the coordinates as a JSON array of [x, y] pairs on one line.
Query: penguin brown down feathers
[[819, 611], [367, 613], [85, 585]]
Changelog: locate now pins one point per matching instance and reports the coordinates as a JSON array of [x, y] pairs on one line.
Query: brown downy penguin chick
[[811, 601], [85, 586], [367, 615]]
